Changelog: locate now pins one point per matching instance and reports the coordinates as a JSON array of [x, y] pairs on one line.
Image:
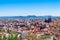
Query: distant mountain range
[[30, 16]]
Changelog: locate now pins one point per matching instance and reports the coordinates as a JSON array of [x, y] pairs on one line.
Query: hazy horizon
[[29, 7]]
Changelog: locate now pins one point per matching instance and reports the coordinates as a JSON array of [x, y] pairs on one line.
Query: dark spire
[[48, 20]]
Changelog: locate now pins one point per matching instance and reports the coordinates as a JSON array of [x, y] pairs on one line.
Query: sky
[[29, 7]]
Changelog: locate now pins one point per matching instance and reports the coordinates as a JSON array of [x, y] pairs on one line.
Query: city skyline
[[29, 7]]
